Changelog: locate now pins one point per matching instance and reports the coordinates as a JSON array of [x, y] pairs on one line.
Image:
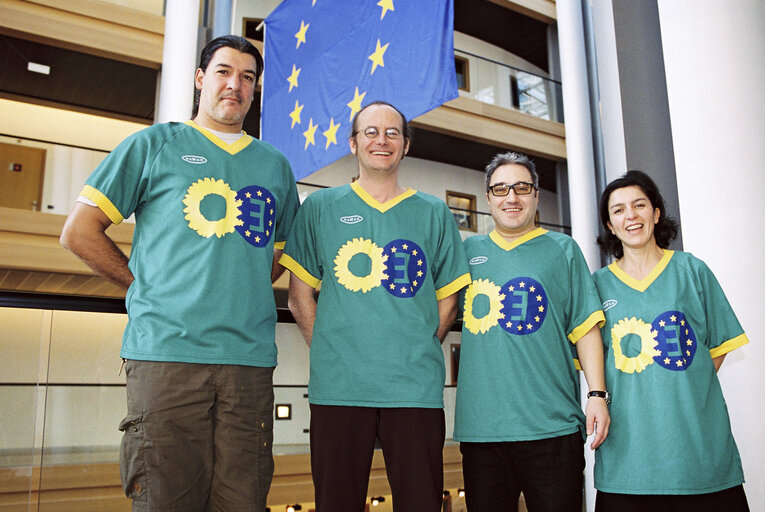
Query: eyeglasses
[[372, 132], [521, 188]]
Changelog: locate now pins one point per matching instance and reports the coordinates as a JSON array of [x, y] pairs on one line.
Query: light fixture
[[34, 67], [293, 508], [461, 493], [376, 500], [283, 411]]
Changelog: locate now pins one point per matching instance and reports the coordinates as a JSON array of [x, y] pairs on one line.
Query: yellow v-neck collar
[[377, 205], [232, 149], [504, 244], [642, 285]]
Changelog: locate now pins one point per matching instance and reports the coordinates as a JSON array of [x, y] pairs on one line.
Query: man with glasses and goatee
[[530, 310], [390, 264]]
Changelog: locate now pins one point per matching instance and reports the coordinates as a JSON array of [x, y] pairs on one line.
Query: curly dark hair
[[665, 230]]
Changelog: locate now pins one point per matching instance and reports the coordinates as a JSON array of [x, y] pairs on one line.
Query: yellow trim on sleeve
[[729, 346], [453, 287], [504, 244], [377, 205], [293, 266], [597, 318], [642, 284], [103, 203], [231, 149], [279, 245], [577, 365]]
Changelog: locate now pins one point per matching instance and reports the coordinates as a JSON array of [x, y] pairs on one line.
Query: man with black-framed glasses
[[390, 263], [530, 310]]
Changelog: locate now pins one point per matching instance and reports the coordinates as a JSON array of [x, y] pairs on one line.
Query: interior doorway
[[21, 176]]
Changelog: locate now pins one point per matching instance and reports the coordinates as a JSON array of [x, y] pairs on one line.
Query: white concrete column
[[221, 23], [714, 54], [580, 158], [611, 119], [579, 148], [179, 55]]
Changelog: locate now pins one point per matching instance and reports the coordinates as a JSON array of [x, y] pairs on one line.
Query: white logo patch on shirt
[[194, 159], [477, 260], [609, 304], [351, 219]]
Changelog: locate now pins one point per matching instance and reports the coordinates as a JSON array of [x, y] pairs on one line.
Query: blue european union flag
[[325, 59]]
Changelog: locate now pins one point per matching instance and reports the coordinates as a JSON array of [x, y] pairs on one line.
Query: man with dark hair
[[390, 263], [531, 301], [213, 207]]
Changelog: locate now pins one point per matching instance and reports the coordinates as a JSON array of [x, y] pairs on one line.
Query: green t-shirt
[[529, 302], [208, 216], [670, 431], [382, 268]]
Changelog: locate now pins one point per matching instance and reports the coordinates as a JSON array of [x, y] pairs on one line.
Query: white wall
[[714, 53], [66, 166]]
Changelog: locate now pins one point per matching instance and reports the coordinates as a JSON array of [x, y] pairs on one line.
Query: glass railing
[[499, 84], [62, 397]]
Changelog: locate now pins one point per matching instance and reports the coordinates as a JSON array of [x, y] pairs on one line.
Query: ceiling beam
[[90, 26], [541, 10]]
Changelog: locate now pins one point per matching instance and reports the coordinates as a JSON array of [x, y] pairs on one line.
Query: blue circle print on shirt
[[406, 268], [258, 215], [524, 306], [676, 341]]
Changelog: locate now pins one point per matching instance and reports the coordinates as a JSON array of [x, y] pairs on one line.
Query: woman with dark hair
[[668, 328]]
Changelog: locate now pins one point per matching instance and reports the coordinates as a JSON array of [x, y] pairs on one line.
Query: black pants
[[550, 472], [342, 445], [729, 500]]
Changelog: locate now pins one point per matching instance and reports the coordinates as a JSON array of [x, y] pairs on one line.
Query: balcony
[[502, 106], [495, 83]]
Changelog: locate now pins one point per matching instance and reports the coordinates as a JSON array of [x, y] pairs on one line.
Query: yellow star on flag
[[300, 35], [387, 5], [355, 103], [292, 79], [310, 133], [377, 56], [295, 114], [331, 133]]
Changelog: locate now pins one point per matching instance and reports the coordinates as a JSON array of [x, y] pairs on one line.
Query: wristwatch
[[600, 394]]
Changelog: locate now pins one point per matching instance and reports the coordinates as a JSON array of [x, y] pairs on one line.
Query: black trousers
[[549, 472], [342, 445], [729, 500]]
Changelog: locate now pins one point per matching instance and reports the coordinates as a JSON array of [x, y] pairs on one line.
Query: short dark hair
[[665, 230], [511, 157], [238, 43], [406, 131]]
